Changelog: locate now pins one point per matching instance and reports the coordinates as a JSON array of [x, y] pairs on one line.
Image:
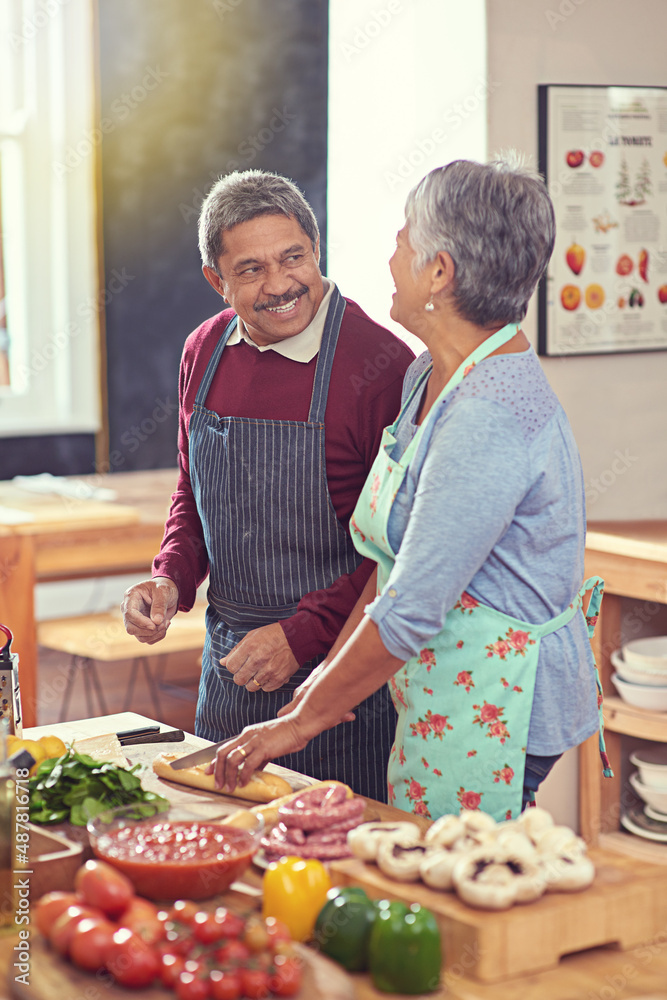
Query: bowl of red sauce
[[174, 855]]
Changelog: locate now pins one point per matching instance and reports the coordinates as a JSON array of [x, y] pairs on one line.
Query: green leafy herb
[[75, 787]]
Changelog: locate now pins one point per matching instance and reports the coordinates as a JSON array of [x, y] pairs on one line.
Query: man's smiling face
[[270, 276]]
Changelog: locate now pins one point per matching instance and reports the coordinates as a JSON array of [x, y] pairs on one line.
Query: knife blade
[[203, 756]]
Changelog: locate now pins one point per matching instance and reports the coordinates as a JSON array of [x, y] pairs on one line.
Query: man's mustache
[[281, 300]]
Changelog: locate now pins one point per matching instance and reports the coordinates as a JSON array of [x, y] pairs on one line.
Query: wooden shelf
[[634, 847], [619, 717]]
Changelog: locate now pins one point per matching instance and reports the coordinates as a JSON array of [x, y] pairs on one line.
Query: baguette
[[244, 818], [262, 787]]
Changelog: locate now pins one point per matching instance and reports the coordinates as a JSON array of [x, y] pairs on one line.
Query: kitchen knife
[[168, 736], [203, 756]]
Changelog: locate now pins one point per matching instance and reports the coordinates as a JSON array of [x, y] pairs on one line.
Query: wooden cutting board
[[53, 978], [626, 906]]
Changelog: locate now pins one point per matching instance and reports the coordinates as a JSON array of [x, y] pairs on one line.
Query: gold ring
[[242, 752], [255, 681]]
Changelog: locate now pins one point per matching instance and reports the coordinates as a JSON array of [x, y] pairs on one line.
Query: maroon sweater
[[364, 397]]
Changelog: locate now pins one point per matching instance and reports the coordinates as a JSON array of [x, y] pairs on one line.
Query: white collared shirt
[[303, 346]]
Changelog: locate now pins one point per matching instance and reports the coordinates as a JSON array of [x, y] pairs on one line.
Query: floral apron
[[464, 703]]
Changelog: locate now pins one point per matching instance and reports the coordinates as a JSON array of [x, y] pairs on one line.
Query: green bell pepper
[[404, 951], [343, 927]]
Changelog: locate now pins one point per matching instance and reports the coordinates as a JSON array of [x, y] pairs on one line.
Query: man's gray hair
[[497, 223], [242, 196]]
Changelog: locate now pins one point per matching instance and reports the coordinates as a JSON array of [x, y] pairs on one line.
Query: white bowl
[[649, 652], [652, 766], [637, 675], [654, 797], [641, 695]]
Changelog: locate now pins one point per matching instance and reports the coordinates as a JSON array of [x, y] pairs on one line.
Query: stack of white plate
[[641, 673], [650, 784]]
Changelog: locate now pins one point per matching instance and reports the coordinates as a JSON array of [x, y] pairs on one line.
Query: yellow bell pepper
[[295, 891]]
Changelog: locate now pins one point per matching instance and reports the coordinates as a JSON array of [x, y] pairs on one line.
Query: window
[[408, 85], [49, 303]]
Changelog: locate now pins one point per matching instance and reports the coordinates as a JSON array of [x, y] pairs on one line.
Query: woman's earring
[[429, 307]]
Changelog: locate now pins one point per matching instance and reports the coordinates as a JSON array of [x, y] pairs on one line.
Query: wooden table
[[591, 975], [631, 557], [71, 539]]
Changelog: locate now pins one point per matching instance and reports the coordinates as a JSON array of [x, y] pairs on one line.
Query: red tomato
[[208, 928], [63, 928], [231, 924], [286, 980], [191, 987], [141, 916], [49, 908], [276, 931], [171, 968], [90, 941], [232, 953], [225, 985], [131, 961], [254, 983], [103, 886], [182, 910], [178, 939]]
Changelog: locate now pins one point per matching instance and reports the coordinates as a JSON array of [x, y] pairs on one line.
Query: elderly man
[[283, 398]]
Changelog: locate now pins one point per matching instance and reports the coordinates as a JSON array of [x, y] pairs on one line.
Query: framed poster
[[603, 151]]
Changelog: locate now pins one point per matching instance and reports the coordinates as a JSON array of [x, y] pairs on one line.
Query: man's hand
[[148, 608], [262, 659], [302, 690]]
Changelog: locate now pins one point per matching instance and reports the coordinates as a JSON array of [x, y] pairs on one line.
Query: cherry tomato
[[232, 953], [286, 980], [131, 961], [208, 927], [254, 983], [183, 910], [277, 931], [191, 987], [171, 968], [225, 985], [232, 925], [90, 941], [63, 928], [49, 908], [178, 938], [256, 936], [103, 886], [142, 917]]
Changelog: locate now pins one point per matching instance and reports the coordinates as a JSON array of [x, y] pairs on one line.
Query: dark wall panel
[[190, 91]]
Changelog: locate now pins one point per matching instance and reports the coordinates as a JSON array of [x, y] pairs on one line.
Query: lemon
[[53, 746], [34, 748]]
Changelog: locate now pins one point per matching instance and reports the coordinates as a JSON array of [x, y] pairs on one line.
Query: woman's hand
[[236, 759], [302, 690]]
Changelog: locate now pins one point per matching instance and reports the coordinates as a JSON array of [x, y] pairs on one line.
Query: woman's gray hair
[[242, 196], [497, 223]]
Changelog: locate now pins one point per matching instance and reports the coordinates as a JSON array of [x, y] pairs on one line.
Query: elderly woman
[[474, 513]]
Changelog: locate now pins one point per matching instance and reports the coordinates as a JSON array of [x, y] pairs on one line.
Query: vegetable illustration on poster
[[603, 151]]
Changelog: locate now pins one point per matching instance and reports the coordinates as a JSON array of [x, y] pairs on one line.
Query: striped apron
[[272, 536]]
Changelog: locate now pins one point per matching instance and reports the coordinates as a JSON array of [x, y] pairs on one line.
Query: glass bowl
[[174, 854]]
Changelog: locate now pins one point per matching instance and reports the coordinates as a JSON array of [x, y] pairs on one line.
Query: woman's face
[[412, 292]]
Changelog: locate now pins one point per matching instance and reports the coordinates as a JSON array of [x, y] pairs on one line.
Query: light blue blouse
[[493, 503]]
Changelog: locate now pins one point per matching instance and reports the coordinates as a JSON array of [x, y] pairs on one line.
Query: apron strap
[[596, 585], [211, 368], [325, 357]]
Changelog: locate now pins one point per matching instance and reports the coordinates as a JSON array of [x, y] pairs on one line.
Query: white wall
[[616, 403]]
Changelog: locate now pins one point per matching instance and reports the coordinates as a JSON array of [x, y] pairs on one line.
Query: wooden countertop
[[637, 539], [638, 972]]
